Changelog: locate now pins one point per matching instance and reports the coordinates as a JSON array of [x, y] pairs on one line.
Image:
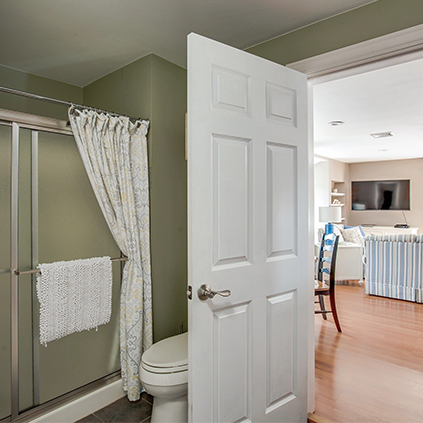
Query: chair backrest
[[327, 258]]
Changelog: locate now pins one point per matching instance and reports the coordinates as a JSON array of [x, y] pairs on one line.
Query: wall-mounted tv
[[380, 195]]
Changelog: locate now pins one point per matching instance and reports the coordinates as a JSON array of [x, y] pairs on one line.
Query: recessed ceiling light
[[383, 149], [336, 123], [383, 134]]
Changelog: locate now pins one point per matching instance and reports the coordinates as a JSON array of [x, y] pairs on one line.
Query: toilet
[[164, 375]]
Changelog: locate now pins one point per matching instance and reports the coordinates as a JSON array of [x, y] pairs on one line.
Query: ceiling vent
[[383, 134]]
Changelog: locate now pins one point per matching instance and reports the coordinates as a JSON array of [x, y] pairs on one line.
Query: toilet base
[[170, 410]]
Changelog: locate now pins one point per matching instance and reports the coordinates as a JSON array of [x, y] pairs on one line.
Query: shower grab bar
[[36, 270]]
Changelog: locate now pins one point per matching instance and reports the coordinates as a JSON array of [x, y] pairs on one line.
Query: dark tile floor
[[123, 411]]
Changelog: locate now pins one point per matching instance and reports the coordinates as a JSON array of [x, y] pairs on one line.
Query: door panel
[[5, 158], [71, 226], [281, 314], [231, 185], [232, 368], [248, 232], [231, 90], [281, 200]]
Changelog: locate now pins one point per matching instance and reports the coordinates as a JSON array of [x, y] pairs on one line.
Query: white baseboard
[[84, 406]]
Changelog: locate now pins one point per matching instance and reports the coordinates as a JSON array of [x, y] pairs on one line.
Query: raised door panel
[[232, 368], [231, 201], [231, 90], [281, 200], [281, 344]]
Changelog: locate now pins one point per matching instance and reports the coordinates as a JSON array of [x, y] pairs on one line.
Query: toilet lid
[[169, 353]]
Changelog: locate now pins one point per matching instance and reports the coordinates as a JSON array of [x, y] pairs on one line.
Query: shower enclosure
[[48, 212]]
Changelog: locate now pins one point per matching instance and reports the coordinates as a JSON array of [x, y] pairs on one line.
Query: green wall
[[23, 81], [374, 20], [156, 89], [169, 198], [126, 91]]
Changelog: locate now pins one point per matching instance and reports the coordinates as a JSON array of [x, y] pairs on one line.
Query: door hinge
[[189, 292]]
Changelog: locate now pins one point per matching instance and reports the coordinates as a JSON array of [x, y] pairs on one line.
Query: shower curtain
[[114, 153]]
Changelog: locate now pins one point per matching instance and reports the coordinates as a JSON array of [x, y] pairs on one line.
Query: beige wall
[[394, 169], [156, 89], [326, 172], [364, 23]]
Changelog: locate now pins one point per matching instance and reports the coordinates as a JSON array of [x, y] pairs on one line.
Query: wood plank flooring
[[373, 371]]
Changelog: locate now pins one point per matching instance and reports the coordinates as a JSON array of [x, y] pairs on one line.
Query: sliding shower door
[[58, 218], [71, 226], [5, 357]]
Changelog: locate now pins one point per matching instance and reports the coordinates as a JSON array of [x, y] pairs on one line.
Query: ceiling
[[79, 41], [384, 100]]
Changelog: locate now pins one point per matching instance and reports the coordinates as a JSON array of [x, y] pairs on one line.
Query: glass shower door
[[48, 212], [5, 160], [71, 226]]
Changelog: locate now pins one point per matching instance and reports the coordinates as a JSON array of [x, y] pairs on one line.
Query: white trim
[[84, 406], [387, 50], [311, 381], [35, 121]]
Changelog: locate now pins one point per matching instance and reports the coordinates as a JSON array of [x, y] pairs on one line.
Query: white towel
[[74, 296]]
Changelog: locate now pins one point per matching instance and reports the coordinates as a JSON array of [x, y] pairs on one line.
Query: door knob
[[205, 292]]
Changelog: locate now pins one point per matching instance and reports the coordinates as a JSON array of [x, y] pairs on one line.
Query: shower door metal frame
[[14, 263], [19, 120]]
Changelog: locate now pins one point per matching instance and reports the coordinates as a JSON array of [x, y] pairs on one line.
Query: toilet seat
[[166, 360], [169, 355], [171, 369]]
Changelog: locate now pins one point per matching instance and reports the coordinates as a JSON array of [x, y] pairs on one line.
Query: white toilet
[[164, 375]]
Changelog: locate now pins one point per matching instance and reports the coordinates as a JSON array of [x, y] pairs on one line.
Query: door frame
[[377, 53]]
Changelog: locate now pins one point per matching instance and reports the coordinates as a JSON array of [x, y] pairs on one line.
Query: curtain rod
[[61, 102]]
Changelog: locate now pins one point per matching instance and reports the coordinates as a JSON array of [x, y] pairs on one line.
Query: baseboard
[[314, 418], [85, 405], [350, 282]]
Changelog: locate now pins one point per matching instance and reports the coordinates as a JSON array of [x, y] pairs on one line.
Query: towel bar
[[29, 272]]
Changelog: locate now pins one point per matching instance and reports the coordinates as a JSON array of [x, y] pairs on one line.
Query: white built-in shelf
[[337, 194], [337, 205]]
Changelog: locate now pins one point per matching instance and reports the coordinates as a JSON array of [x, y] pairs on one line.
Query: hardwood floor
[[373, 371]]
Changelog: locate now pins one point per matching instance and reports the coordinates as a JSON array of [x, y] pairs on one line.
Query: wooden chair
[[326, 266]]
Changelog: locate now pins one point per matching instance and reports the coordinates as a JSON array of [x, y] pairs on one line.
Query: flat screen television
[[380, 195]]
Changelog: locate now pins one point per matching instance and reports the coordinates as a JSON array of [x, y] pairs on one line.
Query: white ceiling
[[389, 99], [79, 41]]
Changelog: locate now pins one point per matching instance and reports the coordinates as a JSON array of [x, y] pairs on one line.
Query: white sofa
[[349, 260]]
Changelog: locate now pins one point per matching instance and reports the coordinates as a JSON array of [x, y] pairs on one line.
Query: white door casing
[[248, 232]]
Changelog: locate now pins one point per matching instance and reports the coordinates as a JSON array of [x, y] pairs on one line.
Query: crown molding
[[387, 50]]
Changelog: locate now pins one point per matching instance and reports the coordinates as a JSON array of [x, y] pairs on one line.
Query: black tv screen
[[380, 195]]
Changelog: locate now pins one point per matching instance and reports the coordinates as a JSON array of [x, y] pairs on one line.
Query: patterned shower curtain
[[114, 153]]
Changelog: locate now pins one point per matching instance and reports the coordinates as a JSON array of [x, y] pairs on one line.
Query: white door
[[248, 219]]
